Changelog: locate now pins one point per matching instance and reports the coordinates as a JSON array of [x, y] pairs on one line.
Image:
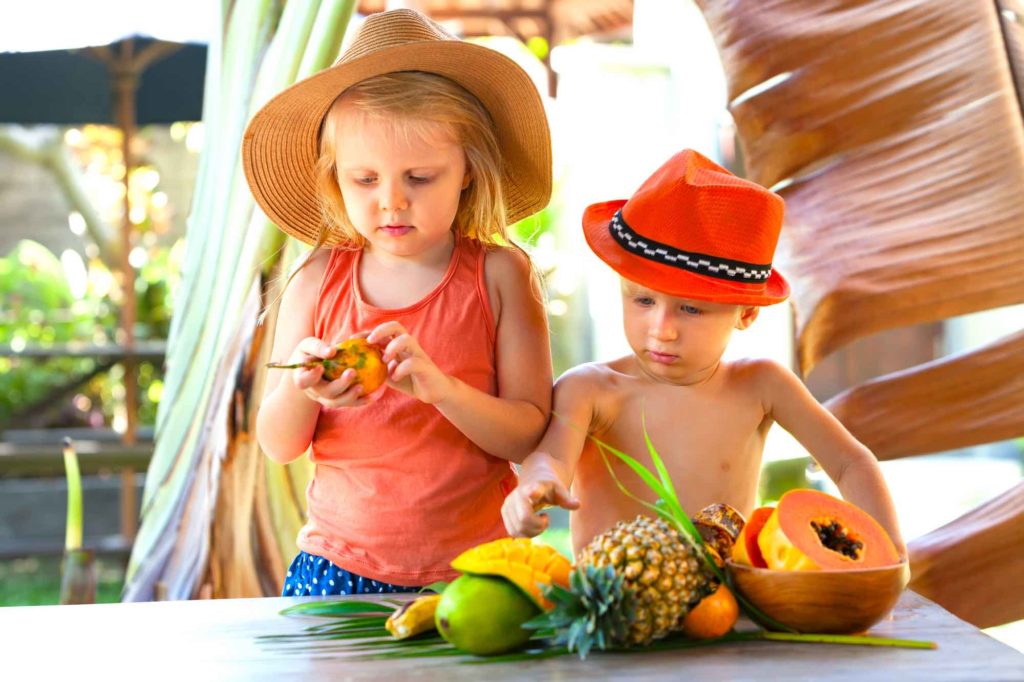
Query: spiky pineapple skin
[[666, 573]]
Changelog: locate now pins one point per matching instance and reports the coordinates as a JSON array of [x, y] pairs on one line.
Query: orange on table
[[713, 616]]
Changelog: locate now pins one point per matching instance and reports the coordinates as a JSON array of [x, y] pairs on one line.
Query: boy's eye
[[643, 300], [690, 310]]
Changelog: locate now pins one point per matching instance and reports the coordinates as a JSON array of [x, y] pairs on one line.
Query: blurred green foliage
[[35, 581], [46, 303], [568, 319]]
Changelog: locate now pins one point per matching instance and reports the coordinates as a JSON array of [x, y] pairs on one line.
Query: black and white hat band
[[703, 264]]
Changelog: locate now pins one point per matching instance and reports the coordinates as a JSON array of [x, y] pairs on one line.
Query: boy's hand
[[410, 369], [521, 506], [342, 392]]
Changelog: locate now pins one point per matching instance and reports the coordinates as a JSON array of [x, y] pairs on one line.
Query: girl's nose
[[392, 198]]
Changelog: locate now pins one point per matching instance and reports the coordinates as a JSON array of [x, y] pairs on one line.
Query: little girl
[[402, 164]]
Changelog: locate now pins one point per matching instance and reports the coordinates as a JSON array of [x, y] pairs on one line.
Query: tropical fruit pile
[[636, 583], [810, 530], [643, 580]]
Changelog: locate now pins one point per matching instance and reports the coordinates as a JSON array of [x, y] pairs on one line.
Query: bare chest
[[711, 448]]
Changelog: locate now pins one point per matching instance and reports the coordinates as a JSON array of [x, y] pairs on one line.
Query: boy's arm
[[547, 473], [850, 464]]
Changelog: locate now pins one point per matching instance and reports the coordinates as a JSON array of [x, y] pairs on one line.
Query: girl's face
[[401, 186], [677, 340]]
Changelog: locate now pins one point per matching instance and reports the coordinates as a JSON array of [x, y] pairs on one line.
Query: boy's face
[[677, 340]]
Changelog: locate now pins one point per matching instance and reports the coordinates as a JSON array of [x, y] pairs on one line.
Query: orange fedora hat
[[693, 230]]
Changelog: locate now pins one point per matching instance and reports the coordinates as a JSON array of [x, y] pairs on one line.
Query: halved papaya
[[811, 530], [746, 550], [524, 563]]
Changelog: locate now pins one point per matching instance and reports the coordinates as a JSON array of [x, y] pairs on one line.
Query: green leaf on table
[[347, 607]]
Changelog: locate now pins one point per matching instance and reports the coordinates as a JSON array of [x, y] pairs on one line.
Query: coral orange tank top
[[398, 491]]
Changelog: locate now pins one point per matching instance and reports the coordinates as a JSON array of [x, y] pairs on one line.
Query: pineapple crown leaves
[[595, 611]]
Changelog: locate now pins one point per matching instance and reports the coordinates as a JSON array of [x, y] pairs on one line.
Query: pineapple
[[632, 585], [636, 582]]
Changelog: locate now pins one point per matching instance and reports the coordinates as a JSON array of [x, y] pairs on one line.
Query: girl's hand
[[410, 370], [342, 392], [519, 511]]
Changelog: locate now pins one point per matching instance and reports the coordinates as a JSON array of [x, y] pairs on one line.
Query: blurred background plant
[[72, 299]]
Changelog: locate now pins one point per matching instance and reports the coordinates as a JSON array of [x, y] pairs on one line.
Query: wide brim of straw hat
[[668, 279], [281, 143]]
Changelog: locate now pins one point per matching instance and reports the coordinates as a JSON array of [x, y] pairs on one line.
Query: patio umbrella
[[133, 81]]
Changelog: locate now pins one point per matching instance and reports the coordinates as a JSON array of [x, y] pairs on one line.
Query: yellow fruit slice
[[526, 564]]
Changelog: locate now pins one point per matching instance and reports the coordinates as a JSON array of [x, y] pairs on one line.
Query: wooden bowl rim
[[826, 571]]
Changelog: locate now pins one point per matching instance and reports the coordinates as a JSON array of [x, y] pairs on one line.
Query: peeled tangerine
[[811, 530], [365, 358]]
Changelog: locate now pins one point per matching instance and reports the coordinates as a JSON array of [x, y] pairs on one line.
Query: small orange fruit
[[365, 358], [713, 616]]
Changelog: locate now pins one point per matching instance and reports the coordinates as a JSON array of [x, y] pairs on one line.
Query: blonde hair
[[417, 101]]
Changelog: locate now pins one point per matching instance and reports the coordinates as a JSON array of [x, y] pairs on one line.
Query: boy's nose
[[662, 327]]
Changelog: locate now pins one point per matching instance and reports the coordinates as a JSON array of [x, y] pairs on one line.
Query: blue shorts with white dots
[[314, 575]]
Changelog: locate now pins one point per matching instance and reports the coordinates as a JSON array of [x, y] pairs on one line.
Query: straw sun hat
[[693, 230], [281, 143]]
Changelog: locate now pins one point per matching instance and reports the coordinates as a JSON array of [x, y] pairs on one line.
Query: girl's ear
[[466, 180], [747, 316]]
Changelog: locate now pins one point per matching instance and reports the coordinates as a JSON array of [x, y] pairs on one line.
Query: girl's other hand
[[342, 392], [410, 369]]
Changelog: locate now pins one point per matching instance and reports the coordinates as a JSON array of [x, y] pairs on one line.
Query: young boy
[[693, 248]]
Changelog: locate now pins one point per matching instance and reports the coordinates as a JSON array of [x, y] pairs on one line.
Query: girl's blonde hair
[[418, 101]]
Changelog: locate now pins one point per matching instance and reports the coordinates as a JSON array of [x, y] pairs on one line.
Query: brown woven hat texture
[[281, 143]]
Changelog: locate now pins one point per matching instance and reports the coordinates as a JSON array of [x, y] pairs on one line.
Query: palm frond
[[257, 50]]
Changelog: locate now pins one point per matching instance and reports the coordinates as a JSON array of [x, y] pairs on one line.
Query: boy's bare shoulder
[[754, 368], [760, 375], [590, 377]]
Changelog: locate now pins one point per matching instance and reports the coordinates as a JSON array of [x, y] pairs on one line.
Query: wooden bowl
[[837, 602]]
